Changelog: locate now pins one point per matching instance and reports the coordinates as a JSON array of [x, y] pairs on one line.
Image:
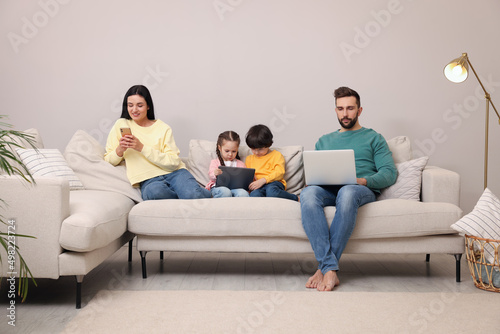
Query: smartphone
[[125, 131]]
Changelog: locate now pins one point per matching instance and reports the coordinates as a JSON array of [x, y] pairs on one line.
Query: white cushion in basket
[[483, 221], [49, 162], [201, 152], [409, 181]]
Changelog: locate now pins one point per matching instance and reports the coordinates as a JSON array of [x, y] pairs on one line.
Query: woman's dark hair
[[229, 136], [259, 136], [141, 91]]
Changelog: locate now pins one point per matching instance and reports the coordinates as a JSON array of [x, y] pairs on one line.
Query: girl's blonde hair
[[229, 136]]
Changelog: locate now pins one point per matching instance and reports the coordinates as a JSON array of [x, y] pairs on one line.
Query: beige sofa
[[75, 230], [413, 216]]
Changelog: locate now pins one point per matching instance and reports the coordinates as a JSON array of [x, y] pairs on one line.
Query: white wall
[[228, 64]]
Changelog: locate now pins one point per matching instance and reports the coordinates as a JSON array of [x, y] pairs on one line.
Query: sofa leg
[[427, 257], [161, 255], [79, 280], [458, 257], [143, 261], [130, 250]]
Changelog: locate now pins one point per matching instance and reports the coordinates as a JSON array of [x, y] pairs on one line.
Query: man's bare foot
[[315, 280], [330, 281]]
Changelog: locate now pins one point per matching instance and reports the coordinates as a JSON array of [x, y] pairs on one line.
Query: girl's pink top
[[214, 164]]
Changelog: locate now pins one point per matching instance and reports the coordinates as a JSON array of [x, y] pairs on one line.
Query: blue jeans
[[273, 189], [218, 192], [179, 184], [328, 243]]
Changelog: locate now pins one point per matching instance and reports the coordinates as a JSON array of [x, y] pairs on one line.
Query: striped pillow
[[483, 221], [49, 162]]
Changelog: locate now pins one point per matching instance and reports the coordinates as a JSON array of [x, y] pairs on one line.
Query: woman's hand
[[129, 141], [257, 184]]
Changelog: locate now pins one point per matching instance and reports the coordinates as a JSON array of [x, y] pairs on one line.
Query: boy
[[269, 165]]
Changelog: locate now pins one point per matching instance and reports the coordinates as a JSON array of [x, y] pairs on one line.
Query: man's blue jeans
[[179, 184], [328, 243], [273, 189]]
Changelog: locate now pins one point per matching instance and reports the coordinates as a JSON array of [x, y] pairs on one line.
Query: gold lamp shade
[[457, 70]]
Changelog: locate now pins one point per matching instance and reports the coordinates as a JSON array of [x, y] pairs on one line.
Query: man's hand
[[257, 184], [361, 181]]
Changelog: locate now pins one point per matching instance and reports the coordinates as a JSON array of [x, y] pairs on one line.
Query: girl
[[148, 147], [227, 155]]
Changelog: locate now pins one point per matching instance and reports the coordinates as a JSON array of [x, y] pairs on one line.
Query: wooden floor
[[51, 305]]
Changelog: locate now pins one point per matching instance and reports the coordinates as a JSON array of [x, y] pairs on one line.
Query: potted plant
[[11, 165]]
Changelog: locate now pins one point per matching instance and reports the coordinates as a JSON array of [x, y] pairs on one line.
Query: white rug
[[287, 312]]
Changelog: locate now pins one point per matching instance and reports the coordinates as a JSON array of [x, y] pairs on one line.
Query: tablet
[[329, 167], [235, 177]]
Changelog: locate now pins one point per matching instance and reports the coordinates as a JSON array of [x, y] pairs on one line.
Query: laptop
[[329, 167], [235, 177]]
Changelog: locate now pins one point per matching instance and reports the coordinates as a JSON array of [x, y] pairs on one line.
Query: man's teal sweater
[[373, 158]]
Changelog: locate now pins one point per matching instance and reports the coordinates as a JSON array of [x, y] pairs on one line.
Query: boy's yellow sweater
[[270, 166]]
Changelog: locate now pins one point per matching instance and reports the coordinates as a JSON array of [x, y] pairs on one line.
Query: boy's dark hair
[[259, 136], [141, 91], [228, 136], [346, 91]]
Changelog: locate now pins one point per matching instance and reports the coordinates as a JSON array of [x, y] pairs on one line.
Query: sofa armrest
[[37, 210], [440, 185]]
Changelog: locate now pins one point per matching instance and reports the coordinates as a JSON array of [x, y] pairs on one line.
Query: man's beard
[[350, 124]]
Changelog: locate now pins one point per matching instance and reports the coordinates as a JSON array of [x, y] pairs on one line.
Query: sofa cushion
[[49, 163], [85, 156], [409, 181], [400, 148], [277, 217], [96, 218], [201, 152]]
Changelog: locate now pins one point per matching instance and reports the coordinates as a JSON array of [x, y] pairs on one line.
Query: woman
[[149, 149]]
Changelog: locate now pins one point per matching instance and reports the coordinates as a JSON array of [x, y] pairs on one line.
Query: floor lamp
[[457, 71]]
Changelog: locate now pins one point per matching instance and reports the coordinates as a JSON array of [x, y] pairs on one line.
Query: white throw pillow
[[37, 142], [400, 148], [409, 181], [483, 221], [49, 162], [86, 156]]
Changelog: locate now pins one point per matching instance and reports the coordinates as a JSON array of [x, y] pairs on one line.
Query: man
[[375, 170]]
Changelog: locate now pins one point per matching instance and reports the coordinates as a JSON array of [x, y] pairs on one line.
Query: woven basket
[[483, 272]]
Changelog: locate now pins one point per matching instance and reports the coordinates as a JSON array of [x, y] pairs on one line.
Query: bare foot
[[315, 280], [330, 281]]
